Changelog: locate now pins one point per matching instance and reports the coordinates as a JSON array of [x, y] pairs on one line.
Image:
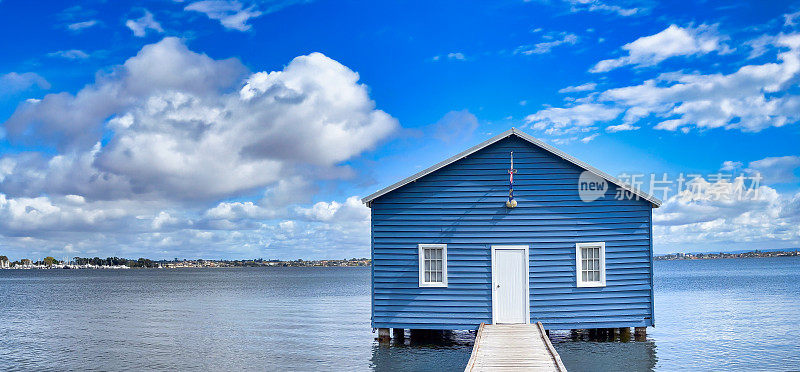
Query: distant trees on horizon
[[114, 261], [96, 261]]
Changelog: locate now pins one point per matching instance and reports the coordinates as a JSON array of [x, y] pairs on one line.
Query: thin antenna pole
[[511, 203]]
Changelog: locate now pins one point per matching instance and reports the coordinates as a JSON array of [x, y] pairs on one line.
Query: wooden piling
[[640, 333], [625, 334], [383, 335], [424, 336]]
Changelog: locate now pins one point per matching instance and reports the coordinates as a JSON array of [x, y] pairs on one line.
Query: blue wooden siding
[[462, 205]]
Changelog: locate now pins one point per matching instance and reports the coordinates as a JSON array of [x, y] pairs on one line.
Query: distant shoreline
[[114, 263], [724, 255]]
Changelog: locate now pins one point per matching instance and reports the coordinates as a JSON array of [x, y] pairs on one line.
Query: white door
[[510, 284]]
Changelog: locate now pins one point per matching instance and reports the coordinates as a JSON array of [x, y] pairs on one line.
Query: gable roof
[[515, 132]]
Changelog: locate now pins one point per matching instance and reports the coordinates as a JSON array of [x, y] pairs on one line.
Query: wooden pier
[[513, 347]]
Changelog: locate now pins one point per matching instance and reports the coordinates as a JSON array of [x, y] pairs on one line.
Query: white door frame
[[527, 281]]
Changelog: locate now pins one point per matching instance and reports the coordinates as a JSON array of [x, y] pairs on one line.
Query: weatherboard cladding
[[462, 205]]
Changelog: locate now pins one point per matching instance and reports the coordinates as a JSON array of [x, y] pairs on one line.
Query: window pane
[[432, 265]]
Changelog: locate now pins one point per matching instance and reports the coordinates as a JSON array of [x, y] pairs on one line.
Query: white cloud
[[69, 54], [759, 45], [790, 19], [351, 210], [43, 215], [671, 42], [288, 190], [457, 56], [187, 136], [685, 222], [551, 40], [78, 26], [146, 22], [44, 226], [179, 131], [776, 169], [750, 99], [164, 219], [307, 87], [455, 125], [579, 88], [168, 66], [14, 82], [729, 165], [237, 211], [589, 138], [324, 227], [231, 14], [601, 6], [287, 225], [620, 128], [556, 121]]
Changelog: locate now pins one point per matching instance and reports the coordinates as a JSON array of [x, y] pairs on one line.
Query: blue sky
[[241, 129]]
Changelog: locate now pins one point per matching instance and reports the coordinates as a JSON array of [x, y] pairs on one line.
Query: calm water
[[728, 315]]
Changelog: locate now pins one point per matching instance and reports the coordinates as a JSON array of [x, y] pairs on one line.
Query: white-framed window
[[590, 264], [433, 265]]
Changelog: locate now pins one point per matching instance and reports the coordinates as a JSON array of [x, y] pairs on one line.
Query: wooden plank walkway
[[513, 347]]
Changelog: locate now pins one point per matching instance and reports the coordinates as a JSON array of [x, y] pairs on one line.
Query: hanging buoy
[[511, 203]]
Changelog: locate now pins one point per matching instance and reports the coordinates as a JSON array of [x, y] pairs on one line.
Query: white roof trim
[[513, 131]]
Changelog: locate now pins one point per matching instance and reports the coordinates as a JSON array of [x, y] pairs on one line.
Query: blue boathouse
[[453, 246]]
